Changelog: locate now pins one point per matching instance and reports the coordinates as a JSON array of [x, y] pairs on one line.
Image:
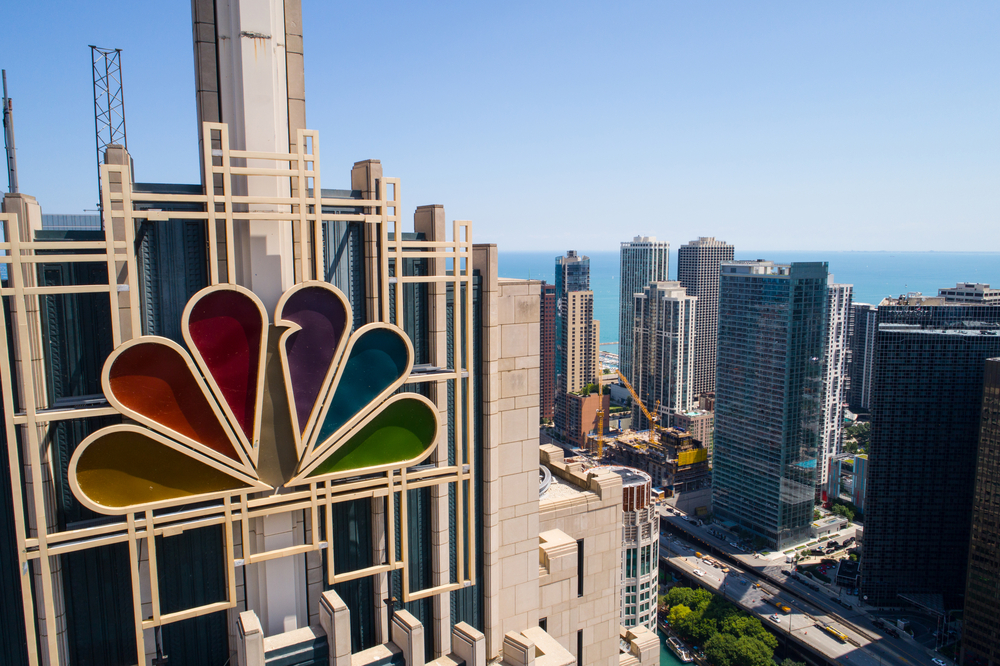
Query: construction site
[[679, 464]]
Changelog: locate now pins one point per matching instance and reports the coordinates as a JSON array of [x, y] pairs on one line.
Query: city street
[[809, 609]]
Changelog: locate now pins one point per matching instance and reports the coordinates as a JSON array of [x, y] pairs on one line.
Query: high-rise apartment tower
[[981, 631], [662, 337], [643, 260], [927, 395], [547, 352], [862, 360], [835, 377], [769, 396], [698, 272], [578, 335]]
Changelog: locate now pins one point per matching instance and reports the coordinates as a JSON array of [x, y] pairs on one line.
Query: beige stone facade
[[510, 395], [580, 508]]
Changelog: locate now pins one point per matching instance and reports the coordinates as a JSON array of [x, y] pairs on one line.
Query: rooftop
[[630, 476]]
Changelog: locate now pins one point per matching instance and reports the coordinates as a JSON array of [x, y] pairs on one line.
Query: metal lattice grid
[[109, 102]]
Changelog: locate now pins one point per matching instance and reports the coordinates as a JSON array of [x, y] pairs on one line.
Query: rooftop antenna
[[109, 104], [8, 138]]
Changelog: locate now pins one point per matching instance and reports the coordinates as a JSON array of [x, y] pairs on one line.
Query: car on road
[[699, 573], [939, 662], [734, 544], [775, 618], [785, 573], [685, 519]]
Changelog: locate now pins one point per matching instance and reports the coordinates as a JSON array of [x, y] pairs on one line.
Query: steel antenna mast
[[8, 138], [109, 104]]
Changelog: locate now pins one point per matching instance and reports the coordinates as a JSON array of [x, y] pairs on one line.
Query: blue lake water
[[874, 275]]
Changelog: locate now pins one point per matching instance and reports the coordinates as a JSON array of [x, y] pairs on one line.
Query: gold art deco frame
[[38, 540]]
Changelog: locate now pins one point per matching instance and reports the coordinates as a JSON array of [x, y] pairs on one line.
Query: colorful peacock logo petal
[[199, 416]]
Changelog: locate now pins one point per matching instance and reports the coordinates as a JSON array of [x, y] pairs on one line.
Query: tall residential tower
[[981, 631], [835, 377], [577, 333], [769, 396], [927, 394], [698, 272], [643, 260], [662, 337], [862, 360], [547, 352]]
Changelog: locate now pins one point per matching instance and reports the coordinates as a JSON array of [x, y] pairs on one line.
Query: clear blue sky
[[773, 125]]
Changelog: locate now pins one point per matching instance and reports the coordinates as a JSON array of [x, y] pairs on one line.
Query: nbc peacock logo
[[326, 400]]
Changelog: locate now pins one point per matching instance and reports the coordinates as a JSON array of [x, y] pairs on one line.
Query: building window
[[579, 646], [543, 624], [579, 567]]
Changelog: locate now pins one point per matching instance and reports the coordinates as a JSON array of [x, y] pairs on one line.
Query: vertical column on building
[[363, 178], [430, 220], [249, 74], [253, 100], [510, 379], [30, 371]]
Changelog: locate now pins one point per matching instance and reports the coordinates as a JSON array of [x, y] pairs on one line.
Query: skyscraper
[[981, 631], [862, 360], [572, 274], [835, 377], [698, 272], [769, 396], [662, 337], [547, 352], [927, 395], [206, 491], [643, 260], [578, 334]]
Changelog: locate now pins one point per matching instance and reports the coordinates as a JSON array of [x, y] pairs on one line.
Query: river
[[667, 658]]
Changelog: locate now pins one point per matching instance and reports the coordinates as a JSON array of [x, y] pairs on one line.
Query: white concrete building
[[698, 271], [971, 292], [643, 260], [663, 339], [835, 378], [640, 539]]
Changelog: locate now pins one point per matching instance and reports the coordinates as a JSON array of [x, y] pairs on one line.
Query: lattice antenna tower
[[109, 104]]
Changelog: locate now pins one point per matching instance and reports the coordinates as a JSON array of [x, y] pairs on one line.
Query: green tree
[[721, 650], [677, 615], [695, 599], [816, 514], [841, 510], [700, 629], [789, 662], [746, 625], [751, 652]]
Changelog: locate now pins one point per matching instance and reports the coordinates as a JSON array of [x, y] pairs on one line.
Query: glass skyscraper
[[927, 395], [643, 260], [769, 396], [981, 628], [698, 272]]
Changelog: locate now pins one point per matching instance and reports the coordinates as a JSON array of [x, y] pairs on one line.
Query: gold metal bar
[[133, 561], [11, 228]]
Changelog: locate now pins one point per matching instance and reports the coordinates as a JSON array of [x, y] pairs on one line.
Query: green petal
[[401, 432]]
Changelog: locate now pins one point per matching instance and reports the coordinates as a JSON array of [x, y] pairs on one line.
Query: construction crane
[[635, 396]]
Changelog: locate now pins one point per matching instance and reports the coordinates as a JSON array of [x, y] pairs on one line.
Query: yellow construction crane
[[600, 434], [655, 422]]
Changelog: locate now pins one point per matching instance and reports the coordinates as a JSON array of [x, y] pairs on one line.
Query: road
[[868, 646]]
